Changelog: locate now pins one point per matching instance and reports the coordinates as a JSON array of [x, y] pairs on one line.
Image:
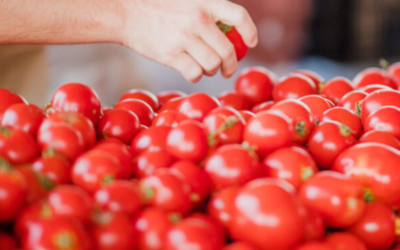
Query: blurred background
[[330, 37]]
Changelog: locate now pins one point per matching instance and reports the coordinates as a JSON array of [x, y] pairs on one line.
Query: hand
[[183, 34]]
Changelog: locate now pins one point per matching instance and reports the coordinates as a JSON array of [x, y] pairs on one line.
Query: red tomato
[[345, 241], [7, 98], [172, 104], [166, 118], [314, 225], [352, 100], [317, 104], [381, 137], [224, 125], [256, 84], [292, 164], [234, 100], [344, 116], [394, 72], [376, 167], [262, 107], [17, 146], [26, 117], [165, 190], [386, 119], [187, 141], [196, 106], [374, 87], [165, 96], [221, 205], [376, 228], [77, 98], [294, 86], [247, 115], [70, 201], [236, 39], [314, 245], [55, 167], [7, 242], [113, 231], [377, 100], [239, 246], [95, 169], [140, 108], [336, 88], [13, 191], [149, 139], [149, 161], [336, 197], [300, 114], [373, 76], [315, 77], [143, 95], [268, 131], [268, 225], [328, 140]]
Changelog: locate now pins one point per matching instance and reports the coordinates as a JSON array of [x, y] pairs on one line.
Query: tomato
[[165, 96], [224, 125], [151, 227], [376, 228], [247, 115], [262, 106], [314, 245], [198, 180], [187, 141], [7, 98], [166, 118], [113, 231], [236, 39], [232, 165], [165, 190], [17, 146], [336, 88], [317, 104], [172, 104], [345, 241], [13, 191], [149, 161], [94, 169], [293, 86], [373, 76], [344, 116], [26, 117], [315, 77], [119, 197], [70, 201], [292, 164], [386, 119], [377, 100], [7, 242], [336, 197], [328, 140], [381, 137], [300, 114], [281, 226], [143, 95], [234, 100], [376, 167], [314, 225], [77, 98], [374, 87], [55, 167], [268, 131], [140, 108], [394, 72], [256, 84], [149, 139], [196, 106], [352, 100], [221, 205], [239, 246], [62, 139]]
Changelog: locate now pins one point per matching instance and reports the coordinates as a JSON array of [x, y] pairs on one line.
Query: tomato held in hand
[[143, 95], [336, 88], [344, 116], [380, 137], [236, 39], [386, 119], [293, 86], [234, 100], [196, 106]]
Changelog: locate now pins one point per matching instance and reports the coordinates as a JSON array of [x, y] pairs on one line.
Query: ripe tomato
[[236, 39], [344, 116], [314, 225], [232, 165], [352, 100], [345, 241], [300, 114], [376, 167], [336, 197], [380, 137], [221, 205], [239, 246], [7, 242], [293, 86], [77, 98], [121, 124], [149, 139], [315, 77], [26, 117], [187, 141], [314, 245], [196, 106], [165, 96], [268, 131], [17, 146], [172, 104], [166, 118], [394, 72], [149, 161], [317, 104], [55, 167], [262, 106], [7, 98], [234, 100], [328, 140], [256, 84], [386, 119], [281, 226], [373, 76], [336, 88], [140, 108], [143, 95], [374, 87], [247, 115], [377, 100], [376, 228], [292, 164]]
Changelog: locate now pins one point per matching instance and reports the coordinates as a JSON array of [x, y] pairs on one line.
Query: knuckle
[[228, 51], [241, 14], [214, 63], [194, 73]]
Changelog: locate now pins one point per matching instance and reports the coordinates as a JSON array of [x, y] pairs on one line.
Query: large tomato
[[149, 161], [149, 139]]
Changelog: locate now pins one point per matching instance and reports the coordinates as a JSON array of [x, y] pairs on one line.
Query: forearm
[[60, 21]]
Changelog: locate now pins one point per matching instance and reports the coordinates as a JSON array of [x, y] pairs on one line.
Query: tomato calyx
[[107, 179], [250, 149], [397, 225], [321, 86], [194, 197], [101, 218], [229, 122], [65, 240], [368, 196], [148, 193], [45, 211], [344, 130], [174, 217], [300, 128], [44, 181], [224, 27], [5, 166], [306, 173], [5, 131], [358, 108], [384, 64]]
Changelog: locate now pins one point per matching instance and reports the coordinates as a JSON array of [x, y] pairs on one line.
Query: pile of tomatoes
[[290, 163]]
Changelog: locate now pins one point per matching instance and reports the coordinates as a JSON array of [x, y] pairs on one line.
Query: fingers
[[187, 66], [208, 59], [235, 15]]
